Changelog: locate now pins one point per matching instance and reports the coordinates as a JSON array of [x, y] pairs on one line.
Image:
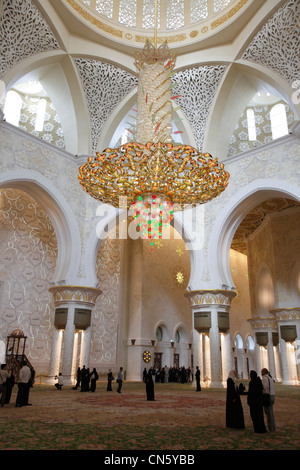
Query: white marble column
[[215, 350], [284, 362], [206, 306], [207, 361], [289, 317], [202, 358], [266, 325], [226, 356], [67, 358], [257, 358], [271, 357], [75, 354], [55, 356], [86, 346], [72, 298]]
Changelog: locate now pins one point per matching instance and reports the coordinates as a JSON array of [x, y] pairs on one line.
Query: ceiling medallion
[[154, 176]]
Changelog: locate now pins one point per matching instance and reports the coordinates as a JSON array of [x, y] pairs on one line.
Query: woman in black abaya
[[234, 409], [255, 403], [150, 385]]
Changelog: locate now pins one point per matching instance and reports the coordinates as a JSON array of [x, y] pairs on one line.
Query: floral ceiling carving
[[25, 33], [197, 87], [277, 44], [105, 86]]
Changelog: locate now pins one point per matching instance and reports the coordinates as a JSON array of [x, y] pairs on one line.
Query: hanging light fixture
[[156, 176]]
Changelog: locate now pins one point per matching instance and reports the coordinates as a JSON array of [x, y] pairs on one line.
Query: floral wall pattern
[[106, 311], [28, 253]]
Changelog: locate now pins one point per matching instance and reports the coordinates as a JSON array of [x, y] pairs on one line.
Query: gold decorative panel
[[63, 294]]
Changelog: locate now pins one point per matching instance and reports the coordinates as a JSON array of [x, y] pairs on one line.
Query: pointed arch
[[62, 218], [231, 216]]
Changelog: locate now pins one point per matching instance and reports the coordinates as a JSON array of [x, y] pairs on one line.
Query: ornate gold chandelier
[[156, 177]]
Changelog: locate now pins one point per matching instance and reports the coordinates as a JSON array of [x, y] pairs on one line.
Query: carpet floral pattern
[[179, 419]]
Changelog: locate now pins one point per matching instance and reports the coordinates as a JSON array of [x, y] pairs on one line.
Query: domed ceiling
[[180, 22]]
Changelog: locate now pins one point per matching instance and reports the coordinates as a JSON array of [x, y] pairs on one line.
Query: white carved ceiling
[[277, 44], [25, 34]]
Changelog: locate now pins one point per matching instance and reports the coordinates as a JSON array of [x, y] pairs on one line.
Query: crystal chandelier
[[153, 175]]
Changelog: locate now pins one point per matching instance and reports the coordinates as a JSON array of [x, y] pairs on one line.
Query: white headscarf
[[232, 375]]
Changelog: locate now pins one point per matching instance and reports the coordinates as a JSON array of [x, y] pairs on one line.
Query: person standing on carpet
[[4, 377], [268, 389], [150, 385], [110, 378], [10, 382], [23, 385], [197, 376], [78, 379], [120, 380], [255, 402], [85, 379], [94, 377], [234, 409]]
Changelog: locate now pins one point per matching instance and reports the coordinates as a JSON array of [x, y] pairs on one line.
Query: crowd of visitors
[[7, 382], [260, 394], [86, 380], [171, 374], [260, 399]]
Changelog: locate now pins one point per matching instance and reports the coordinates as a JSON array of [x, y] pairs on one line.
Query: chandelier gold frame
[[179, 173]]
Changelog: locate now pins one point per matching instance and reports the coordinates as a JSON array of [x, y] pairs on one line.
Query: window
[[278, 121], [12, 107], [159, 334], [40, 115], [251, 124], [238, 342], [250, 343]]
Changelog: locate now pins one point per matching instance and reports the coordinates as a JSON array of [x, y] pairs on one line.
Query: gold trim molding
[[94, 21], [210, 297], [227, 16], [286, 313], [74, 294], [263, 322]]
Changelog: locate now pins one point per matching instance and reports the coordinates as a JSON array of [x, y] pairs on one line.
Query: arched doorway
[[260, 234], [142, 288]]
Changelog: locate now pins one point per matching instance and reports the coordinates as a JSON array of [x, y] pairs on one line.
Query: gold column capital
[[263, 322], [63, 293], [291, 313], [210, 297]]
